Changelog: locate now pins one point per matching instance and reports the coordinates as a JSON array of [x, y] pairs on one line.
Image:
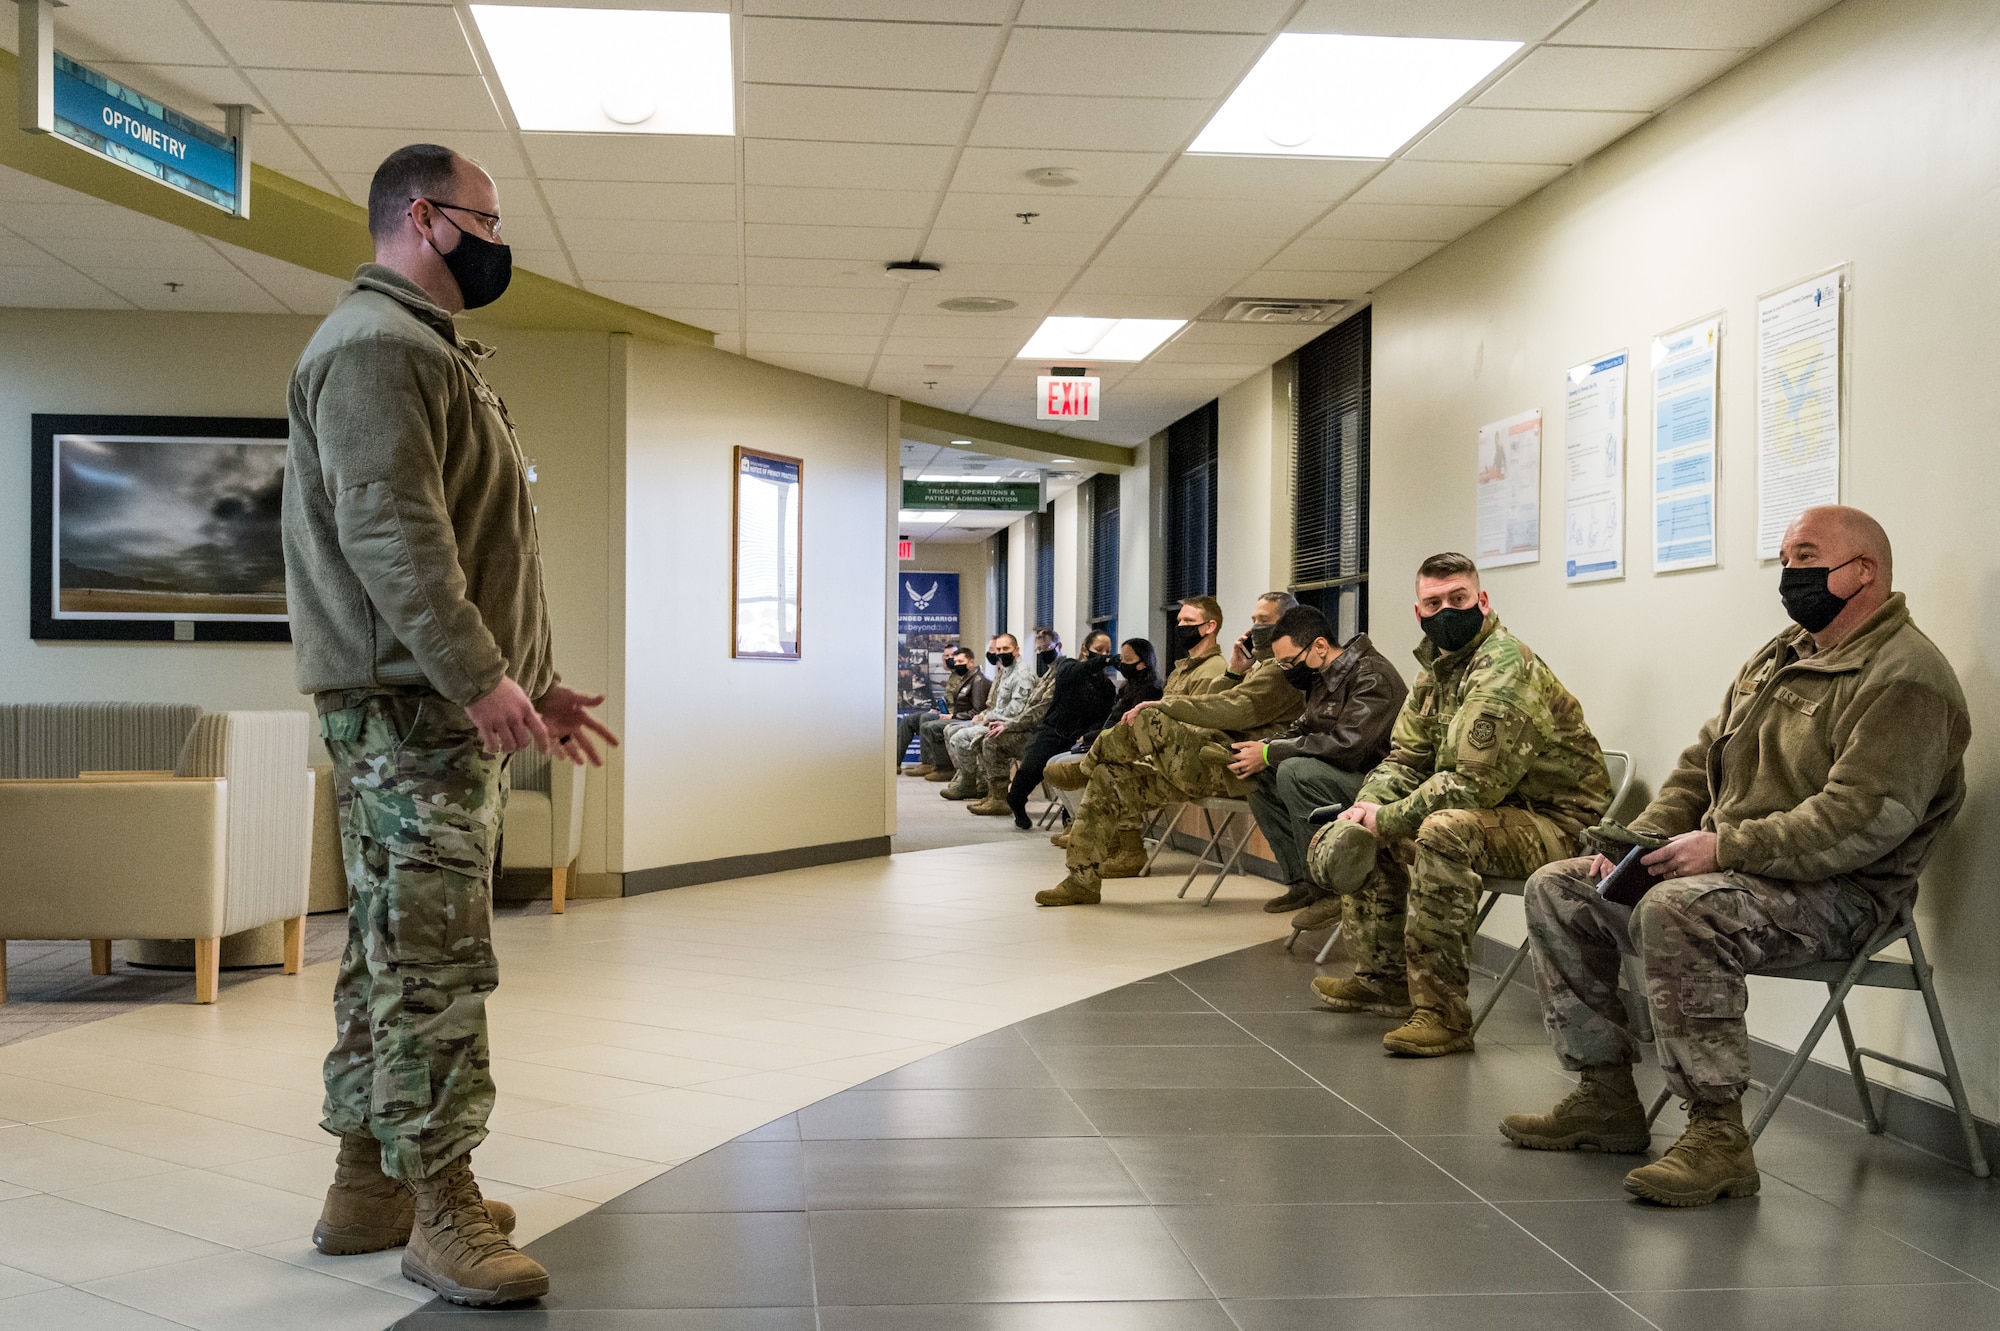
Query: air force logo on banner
[[920, 600]]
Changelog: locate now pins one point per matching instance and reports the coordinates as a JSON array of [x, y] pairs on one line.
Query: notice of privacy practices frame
[[766, 531], [1594, 470], [1686, 392], [1508, 492], [1801, 403]]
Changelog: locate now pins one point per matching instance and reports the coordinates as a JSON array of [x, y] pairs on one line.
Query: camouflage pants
[[1696, 938], [1409, 913], [998, 754], [1154, 762], [420, 807]]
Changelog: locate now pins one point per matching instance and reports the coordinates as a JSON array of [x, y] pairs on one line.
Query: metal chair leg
[[1230, 866], [1854, 1069], [1500, 987], [1162, 822], [1811, 1042], [1659, 1103], [1953, 1082], [1202, 861], [1331, 939]]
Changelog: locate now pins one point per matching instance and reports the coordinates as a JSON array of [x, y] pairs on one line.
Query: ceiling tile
[[844, 165], [438, 103], [173, 256], [1324, 179], [611, 236], [1590, 78], [309, 34], [300, 290], [665, 158], [55, 288], [595, 265], [845, 369], [1110, 283], [817, 321], [998, 279], [933, 348], [1055, 210], [1249, 16], [765, 271], [1161, 216], [707, 296], [195, 90], [1503, 20], [928, 321], [951, 57], [1240, 253], [157, 33], [222, 290], [856, 115], [1402, 221], [1294, 284], [1495, 184], [786, 205], [1689, 23], [864, 244], [1561, 137], [1090, 304], [879, 299], [18, 253], [1004, 171], [715, 321], [808, 344], [1334, 254], [346, 151], [902, 11], [1020, 245], [639, 201], [88, 220], [1124, 64], [1120, 124]]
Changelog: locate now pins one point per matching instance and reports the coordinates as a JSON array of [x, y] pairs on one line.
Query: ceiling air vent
[[1271, 310]]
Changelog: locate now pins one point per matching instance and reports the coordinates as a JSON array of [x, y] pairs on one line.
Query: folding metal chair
[[1160, 824], [1231, 810], [1870, 971]]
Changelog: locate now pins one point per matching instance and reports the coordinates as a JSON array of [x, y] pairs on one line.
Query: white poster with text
[[1686, 386], [1594, 470], [1509, 492], [1798, 405]]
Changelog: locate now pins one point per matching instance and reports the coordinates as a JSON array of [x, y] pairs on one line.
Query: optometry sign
[[100, 115]]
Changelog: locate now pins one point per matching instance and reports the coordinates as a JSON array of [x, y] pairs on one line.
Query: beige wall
[[968, 560], [710, 739], [1253, 510], [1872, 135]]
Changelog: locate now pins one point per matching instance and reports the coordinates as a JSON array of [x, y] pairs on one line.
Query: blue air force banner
[[926, 627]]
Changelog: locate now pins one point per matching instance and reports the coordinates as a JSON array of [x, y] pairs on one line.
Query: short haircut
[[416, 172], [1303, 625], [1093, 636], [1283, 600], [1448, 564], [1210, 608], [1010, 638]]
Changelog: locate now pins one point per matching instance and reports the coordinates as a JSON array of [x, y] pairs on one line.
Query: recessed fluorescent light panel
[[1098, 339], [612, 71], [916, 517], [1329, 95]]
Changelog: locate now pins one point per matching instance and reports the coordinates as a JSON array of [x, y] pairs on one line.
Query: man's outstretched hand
[[507, 720], [566, 715]]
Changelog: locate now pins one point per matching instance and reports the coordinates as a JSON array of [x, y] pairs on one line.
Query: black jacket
[[1131, 692], [1077, 700], [1350, 710]]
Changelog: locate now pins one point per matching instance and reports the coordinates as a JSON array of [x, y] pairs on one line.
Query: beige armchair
[[220, 846], [543, 828]]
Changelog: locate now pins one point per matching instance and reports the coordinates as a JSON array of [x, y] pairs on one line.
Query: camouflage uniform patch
[[1697, 937], [420, 808]]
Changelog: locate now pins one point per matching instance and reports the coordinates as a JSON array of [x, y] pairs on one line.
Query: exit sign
[[906, 548], [1062, 398]]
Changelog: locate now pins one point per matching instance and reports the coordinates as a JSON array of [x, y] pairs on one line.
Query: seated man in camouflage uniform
[[1164, 753], [1798, 819], [1054, 695], [1491, 770]]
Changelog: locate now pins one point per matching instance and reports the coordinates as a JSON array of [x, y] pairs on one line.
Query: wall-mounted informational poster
[[766, 534], [1509, 492], [1798, 404], [1686, 388], [1594, 470]]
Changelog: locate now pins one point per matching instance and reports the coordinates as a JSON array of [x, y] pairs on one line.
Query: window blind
[[1330, 474], [1104, 553], [1190, 496]]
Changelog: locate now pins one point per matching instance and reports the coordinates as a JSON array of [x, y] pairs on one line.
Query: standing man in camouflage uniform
[[1491, 770], [415, 587], [1166, 752], [1798, 821]]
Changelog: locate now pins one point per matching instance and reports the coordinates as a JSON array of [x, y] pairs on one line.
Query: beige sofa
[[543, 828], [219, 844]]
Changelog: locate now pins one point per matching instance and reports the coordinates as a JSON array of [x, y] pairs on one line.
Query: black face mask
[[1097, 660], [1046, 656], [1260, 637], [960, 668], [1300, 675], [1451, 629], [1002, 659], [481, 267], [1807, 600], [1132, 669], [1187, 637]]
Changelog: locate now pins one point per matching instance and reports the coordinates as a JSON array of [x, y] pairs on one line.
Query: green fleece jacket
[[1843, 763], [1256, 705], [410, 547]]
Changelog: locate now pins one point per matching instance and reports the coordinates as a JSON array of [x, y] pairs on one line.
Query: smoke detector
[[1053, 177], [910, 270], [1271, 310]]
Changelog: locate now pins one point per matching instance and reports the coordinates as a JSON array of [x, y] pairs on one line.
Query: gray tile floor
[[1210, 1151]]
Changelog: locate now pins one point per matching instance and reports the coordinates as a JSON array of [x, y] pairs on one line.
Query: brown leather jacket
[[1350, 710]]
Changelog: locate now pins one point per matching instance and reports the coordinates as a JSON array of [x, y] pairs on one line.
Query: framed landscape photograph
[[768, 528], [158, 528]]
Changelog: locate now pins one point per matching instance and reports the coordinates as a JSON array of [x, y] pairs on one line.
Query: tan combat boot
[[1712, 1159], [1425, 1035], [1079, 889], [456, 1249], [1603, 1113], [1354, 994], [367, 1211], [995, 804], [1322, 914], [1128, 860], [939, 774], [1297, 895], [1060, 839], [921, 769]]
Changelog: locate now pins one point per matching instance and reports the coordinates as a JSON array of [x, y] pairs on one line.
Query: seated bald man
[[1798, 819]]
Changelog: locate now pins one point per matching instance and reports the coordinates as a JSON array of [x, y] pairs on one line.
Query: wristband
[[1267, 755]]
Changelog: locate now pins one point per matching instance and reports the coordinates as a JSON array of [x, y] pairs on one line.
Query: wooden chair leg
[[295, 945], [558, 889], [100, 956], [207, 968]]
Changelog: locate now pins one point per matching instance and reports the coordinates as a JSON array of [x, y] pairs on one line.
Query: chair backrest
[[263, 757], [528, 770], [1618, 764], [55, 741]]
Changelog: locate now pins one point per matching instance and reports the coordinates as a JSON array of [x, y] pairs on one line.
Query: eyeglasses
[[491, 223]]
